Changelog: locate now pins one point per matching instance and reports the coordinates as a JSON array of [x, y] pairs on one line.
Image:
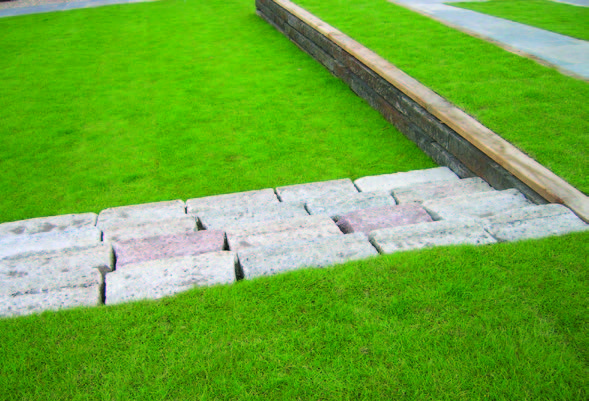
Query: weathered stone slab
[[482, 204], [229, 202], [224, 219], [534, 222], [335, 207], [138, 214], [159, 278], [263, 234], [318, 252], [438, 233], [168, 246], [174, 226], [40, 225], [53, 240], [389, 182], [440, 189], [382, 217], [304, 192]]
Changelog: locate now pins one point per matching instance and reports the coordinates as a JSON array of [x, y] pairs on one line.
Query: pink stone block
[[168, 246], [368, 220]]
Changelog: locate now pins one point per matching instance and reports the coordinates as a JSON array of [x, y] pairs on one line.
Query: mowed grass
[[561, 18], [501, 322], [541, 111], [169, 100]]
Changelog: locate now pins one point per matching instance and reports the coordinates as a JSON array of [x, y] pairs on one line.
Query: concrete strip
[[304, 192], [65, 6], [225, 219], [533, 222], [159, 278], [53, 240], [41, 225], [440, 189], [137, 214], [264, 234], [335, 207], [319, 252], [482, 204], [168, 246], [382, 217], [179, 225], [228, 202], [389, 182], [439, 233]]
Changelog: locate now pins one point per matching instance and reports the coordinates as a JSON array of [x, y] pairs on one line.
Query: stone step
[[438, 233], [173, 226], [53, 240], [163, 277], [335, 207], [40, 225], [534, 222], [168, 246], [318, 252], [440, 189], [228, 202], [477, 205], [302, 193], [116, 217], [264, 234], [382, 217], [225, 219], [390, 182]]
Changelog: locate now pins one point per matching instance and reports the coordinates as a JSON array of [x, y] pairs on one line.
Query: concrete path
[[153, 250], [569, 55], [15, 8]]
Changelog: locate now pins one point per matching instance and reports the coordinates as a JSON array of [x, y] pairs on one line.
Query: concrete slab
[[482, 204], [179, 225], [53, 224], [53, 240], [137, 214], [534, 222], [440, 189], [389, 182], [227, 202], [263, 234], [335, 207], [168, 246], [304, 192], [225, 219], [160, 278], [424, 235], [319, 252], [368, 220]]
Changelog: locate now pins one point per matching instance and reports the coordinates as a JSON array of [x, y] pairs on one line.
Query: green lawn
[[557, 17]]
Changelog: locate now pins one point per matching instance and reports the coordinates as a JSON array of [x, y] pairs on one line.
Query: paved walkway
[[23, 7], [569, 55]]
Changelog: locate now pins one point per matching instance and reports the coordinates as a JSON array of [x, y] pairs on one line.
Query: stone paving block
[[138, 214], [262, 234], [335, 207], [389, 182], [534, 222], [304, 192], [52, 240], [382, 217], [168, 246], [224, 219], [53, 224], [482, 204], [229, 202], [174, 226], [159, 278], [318, 252], [440, 189], [438, 233]]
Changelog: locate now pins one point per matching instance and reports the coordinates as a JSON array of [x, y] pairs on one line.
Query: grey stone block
[[438, 233], [368, 220], [533, 222], [52, 224], [138, 214], [262, 234], [482, 204], [174, 226], [225, 219], [304, 192], [389, 182], [335, 207], [440, 189], [229, 202], [159, 278], [319, 252]]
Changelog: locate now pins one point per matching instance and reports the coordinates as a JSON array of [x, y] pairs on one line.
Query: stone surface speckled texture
[[222, 219], [440, 189], [389, 182], [382, 217], [180, 225], [335, 207], [304, 192], [41, 225]]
